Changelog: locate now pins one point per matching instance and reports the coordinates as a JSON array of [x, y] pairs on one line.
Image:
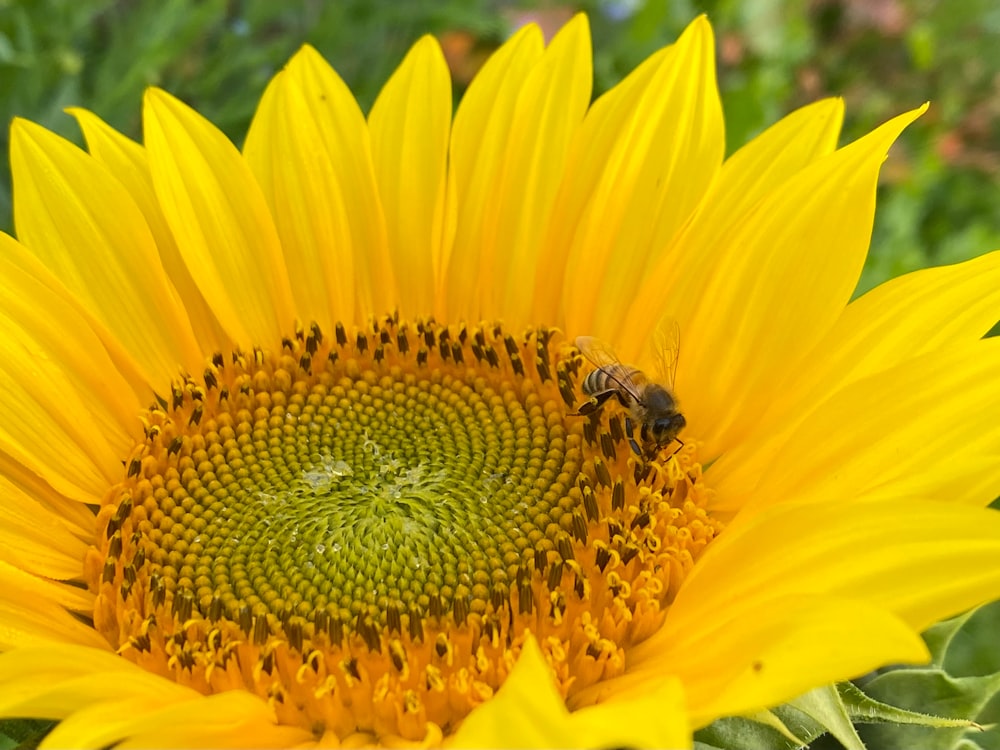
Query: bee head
[[665, 429]]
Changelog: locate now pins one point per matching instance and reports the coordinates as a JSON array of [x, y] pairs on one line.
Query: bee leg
[[594, 403], [631, 438], [680, 444], [651, 447]]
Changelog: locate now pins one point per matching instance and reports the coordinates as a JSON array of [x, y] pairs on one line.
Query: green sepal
[[825, 705], [864, 709], [939, 637], [783, 728], [961, 683], [771, 719], [931, 690], [793, 725], [951, 704]]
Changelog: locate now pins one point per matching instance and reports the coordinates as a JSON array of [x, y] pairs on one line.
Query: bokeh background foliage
[[939, 200]]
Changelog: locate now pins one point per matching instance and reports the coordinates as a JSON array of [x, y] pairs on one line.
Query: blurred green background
[[939, 201]]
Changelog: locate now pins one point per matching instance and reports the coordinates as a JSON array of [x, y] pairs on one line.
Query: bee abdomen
[[609, 378]]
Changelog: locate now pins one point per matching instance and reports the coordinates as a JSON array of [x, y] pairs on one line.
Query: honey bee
[[650, 405]]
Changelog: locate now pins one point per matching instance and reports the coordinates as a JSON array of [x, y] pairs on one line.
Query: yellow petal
[[34, 539], [645, 155], [39, 676], [39, 589], [233, 719], [828, 594], [783, 647], [320, 257], [790, 267], [127, 160], [904, 318], [103, 698], [33, 612], [50, 320], [220, 221], [676, 281], [528, 712], [309, 148], [871, 549], [907, 317], [46, 429], [549, 110], [46, 425], [410, 124], [479, 143], [925, 427], [82, 223], [77, 517], [104, 723]]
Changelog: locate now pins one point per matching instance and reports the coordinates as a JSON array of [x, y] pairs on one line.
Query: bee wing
[[667, 343], [603, 357]]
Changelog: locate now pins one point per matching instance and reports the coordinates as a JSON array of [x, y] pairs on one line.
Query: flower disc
[[364, 528]]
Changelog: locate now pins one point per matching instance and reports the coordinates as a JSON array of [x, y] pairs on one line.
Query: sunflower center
[[362, 528]]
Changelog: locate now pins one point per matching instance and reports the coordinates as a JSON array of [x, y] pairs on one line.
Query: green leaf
[[23, 734]]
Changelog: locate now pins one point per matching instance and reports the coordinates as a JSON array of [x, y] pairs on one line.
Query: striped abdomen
[[616, 377]]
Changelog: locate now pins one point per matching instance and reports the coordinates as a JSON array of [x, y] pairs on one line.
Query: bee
[[650, 405]]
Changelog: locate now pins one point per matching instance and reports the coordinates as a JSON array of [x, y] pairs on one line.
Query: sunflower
[[300, 444]]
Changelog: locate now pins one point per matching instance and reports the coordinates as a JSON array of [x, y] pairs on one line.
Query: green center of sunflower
[[362, 529]]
